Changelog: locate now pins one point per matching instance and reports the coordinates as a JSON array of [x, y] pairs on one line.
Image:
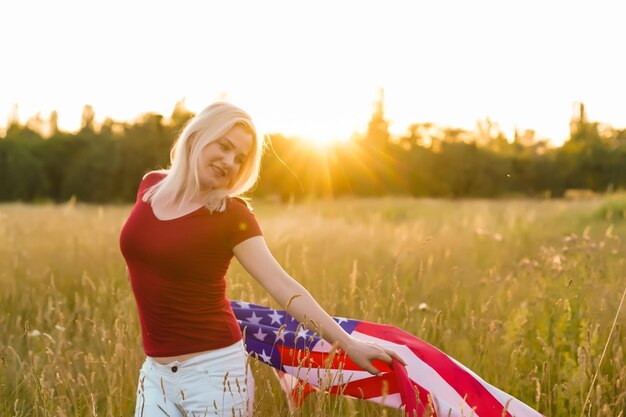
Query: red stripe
[[338, 360], [405, 387], [408, 390], [475, 394], [298, 396], [372, 387], [425, 402], [390, 382]]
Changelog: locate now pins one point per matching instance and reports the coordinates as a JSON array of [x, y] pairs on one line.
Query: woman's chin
[[212, 184], [206, 188]]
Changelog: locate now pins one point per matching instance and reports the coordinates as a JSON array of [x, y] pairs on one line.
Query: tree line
[[104, 162]]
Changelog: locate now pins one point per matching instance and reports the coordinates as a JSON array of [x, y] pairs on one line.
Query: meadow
[[524, 292]]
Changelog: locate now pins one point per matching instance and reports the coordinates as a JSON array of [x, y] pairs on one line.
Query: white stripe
[[323, 378], [392, 400], [446, 399], [322, 346], [515, 407], [395, 401]]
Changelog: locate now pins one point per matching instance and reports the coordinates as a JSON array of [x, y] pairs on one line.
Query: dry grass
[[523, 292]]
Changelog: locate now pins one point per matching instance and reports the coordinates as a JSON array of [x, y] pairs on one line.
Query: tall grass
[[523, 292]]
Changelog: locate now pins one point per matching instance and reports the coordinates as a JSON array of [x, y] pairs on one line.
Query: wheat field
[[523, 292]]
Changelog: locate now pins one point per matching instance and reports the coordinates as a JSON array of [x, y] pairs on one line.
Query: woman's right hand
[[364, 353]]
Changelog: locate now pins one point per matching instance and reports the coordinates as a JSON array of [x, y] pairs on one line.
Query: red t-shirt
[[178, 274]]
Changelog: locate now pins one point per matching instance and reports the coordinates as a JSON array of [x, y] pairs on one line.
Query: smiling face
[[221, 160]]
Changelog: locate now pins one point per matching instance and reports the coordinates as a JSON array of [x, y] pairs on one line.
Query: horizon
[[99, 120], [314, 72]]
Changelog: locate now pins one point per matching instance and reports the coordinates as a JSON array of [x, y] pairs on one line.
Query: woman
[[178, 242]]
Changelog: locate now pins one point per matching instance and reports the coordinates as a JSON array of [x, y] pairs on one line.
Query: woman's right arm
[[256, 258]]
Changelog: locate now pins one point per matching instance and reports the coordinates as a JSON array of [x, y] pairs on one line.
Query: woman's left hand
[[363, 353]]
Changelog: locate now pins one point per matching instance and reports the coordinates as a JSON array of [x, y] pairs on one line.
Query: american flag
[[432, 384]]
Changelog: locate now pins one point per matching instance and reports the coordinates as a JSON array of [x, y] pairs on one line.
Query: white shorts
[[215, 383]]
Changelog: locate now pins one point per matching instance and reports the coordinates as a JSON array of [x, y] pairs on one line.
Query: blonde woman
[[178, 242]]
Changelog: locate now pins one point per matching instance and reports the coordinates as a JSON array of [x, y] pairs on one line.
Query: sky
[[314, 69]]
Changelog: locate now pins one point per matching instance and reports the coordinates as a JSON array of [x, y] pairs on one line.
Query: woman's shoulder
[[238, 208], [241, 220], [238, 203], [154, 176], [150, 179]]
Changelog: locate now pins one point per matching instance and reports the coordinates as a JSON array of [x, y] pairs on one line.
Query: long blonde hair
[[182, 181]]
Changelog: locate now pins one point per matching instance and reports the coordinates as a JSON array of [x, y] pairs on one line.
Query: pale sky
[[314, 68]]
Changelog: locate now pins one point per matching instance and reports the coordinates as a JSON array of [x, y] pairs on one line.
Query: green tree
[[22, 176], [87, 120], [377, 134]]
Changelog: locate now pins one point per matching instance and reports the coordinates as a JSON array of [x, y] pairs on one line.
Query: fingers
[[378, 352], [372, 369], [387, 355], [395, 356]]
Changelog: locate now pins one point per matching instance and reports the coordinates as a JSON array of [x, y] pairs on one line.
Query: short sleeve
[[148, 181], [242, 222]]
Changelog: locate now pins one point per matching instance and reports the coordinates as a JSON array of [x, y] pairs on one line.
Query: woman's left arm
[[256, 258]]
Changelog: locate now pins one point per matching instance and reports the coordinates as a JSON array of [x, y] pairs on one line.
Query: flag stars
[[302, 333], [264, 356], [276, 317], [254, 319], [280, 335], [260, 335]]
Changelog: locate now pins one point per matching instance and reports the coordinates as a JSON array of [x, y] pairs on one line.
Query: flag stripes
[[432, 383]]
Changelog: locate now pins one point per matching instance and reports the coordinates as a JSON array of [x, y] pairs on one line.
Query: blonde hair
[[182, 181]]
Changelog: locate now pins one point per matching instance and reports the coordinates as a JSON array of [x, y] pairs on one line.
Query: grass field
[[524, 292]]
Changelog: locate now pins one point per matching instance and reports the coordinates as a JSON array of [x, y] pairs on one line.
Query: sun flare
[[324, 142]]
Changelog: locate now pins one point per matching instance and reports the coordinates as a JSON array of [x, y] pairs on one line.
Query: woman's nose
[[229, 159]]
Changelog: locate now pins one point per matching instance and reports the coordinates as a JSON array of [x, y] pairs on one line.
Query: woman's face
[[221, 160]]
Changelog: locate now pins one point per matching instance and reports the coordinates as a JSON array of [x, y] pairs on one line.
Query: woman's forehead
[[240, 138]]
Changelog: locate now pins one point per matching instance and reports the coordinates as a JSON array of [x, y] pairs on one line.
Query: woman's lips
[[219, 171]]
